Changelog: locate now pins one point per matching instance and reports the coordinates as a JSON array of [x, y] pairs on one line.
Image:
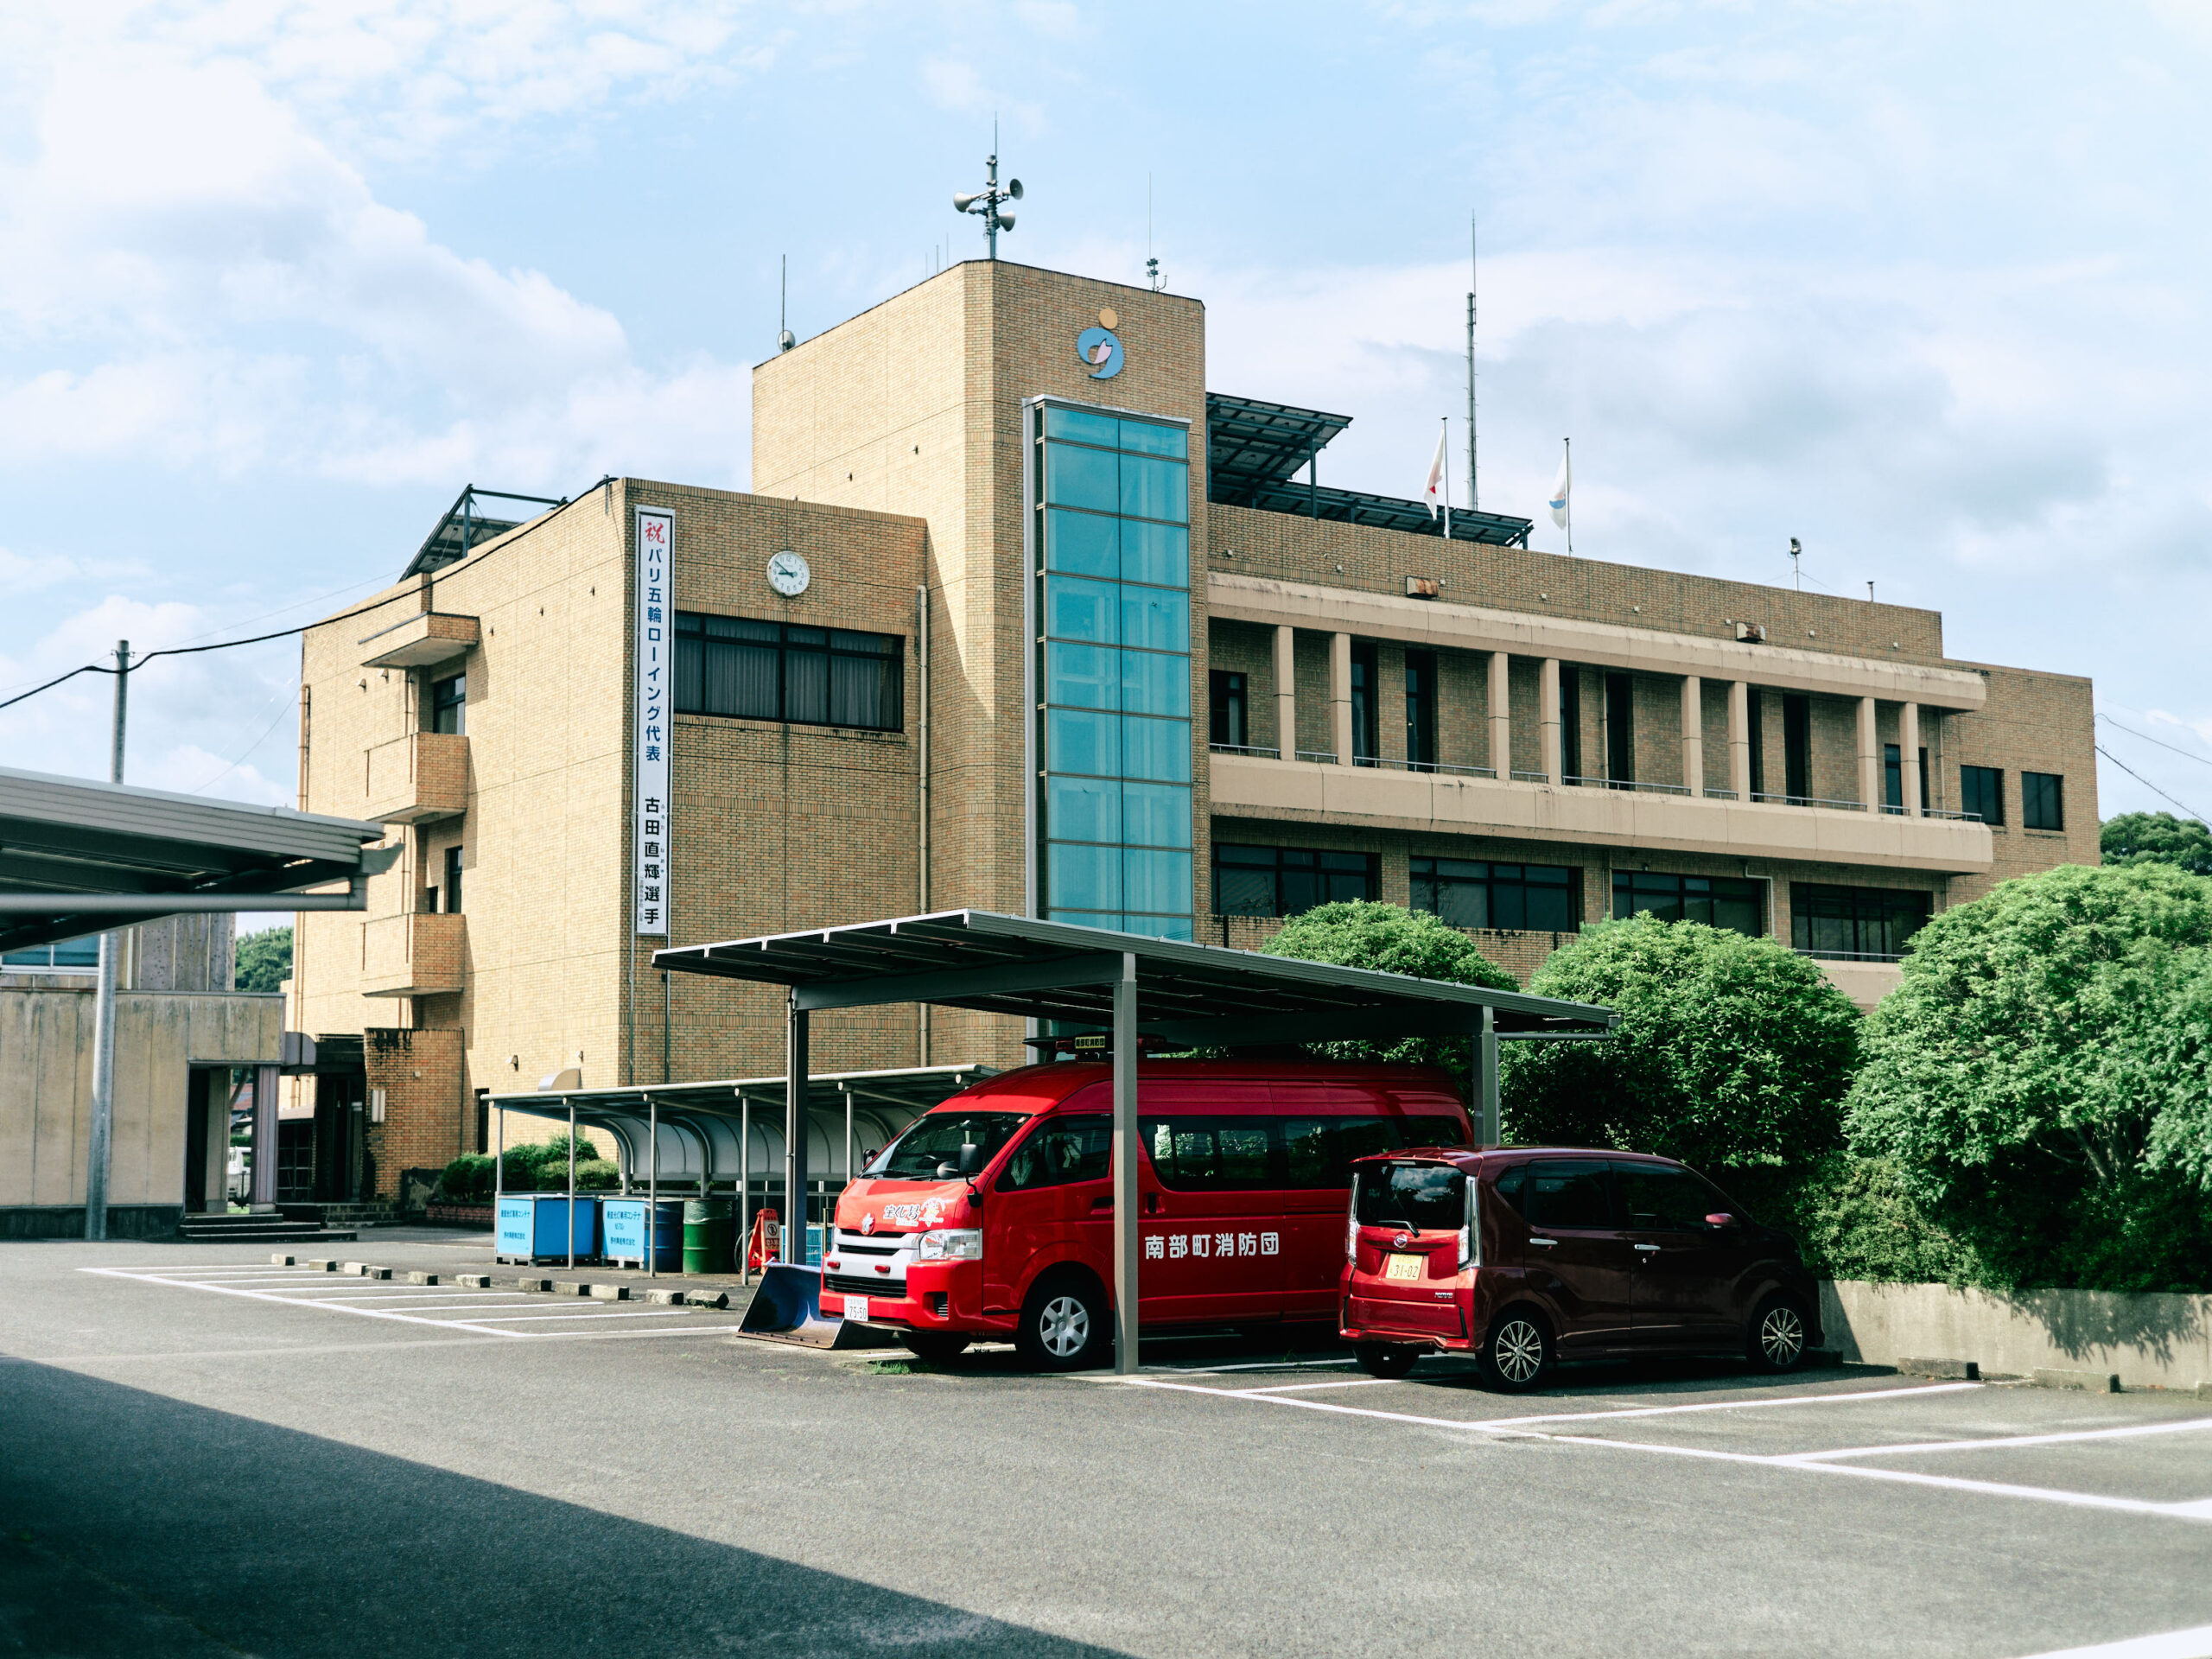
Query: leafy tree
[[1732, 1054], [2157, 838], [1359, 933], [2036, 1079], [264, 960]]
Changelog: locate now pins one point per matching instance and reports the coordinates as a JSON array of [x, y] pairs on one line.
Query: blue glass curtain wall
[[1112, 601]]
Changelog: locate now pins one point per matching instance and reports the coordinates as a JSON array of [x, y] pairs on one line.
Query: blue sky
[[1922, 285]]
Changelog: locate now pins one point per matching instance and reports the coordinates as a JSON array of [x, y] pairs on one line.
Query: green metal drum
[[709, 1234]]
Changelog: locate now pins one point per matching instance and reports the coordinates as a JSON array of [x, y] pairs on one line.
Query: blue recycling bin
[[534, 1227], [623, 1231]]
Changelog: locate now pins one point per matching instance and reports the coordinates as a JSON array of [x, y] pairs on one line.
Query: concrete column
[[1500, 714], [1739, 739], [1869, 757], [1908, 757], [1547, 718], [1693, 736], [264, 1138], [1287, 691], [1126, 1143], [1340, 696]]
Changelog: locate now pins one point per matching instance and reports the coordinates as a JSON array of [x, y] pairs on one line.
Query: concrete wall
[[46, 1090], [2149, 1341]]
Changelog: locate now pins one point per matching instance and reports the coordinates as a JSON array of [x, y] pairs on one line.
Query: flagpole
[[1569, 459], [1447, 441]]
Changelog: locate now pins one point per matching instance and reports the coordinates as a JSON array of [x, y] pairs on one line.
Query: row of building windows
[[781, 671], [1872, 923]]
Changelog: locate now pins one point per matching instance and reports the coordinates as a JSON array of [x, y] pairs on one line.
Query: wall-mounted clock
[[788, 574]]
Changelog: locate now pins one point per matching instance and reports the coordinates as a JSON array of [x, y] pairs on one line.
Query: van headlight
[[952, 1244]]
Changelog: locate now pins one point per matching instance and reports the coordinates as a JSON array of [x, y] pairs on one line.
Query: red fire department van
[[1520, 1255], [993, 1215]]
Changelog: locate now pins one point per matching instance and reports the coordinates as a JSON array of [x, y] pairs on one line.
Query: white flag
[[1560, 490], [1433, 492]]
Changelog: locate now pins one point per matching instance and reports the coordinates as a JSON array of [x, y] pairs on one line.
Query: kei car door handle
[[1647, 1247], [1546, 1242]]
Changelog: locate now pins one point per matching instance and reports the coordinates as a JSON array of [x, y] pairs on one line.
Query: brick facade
[[889, 452]]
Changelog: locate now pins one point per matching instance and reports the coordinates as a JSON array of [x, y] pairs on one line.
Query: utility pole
[[1474, 475], [96, 1155]]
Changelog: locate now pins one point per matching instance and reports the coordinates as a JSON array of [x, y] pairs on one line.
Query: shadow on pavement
[[133, 1524]]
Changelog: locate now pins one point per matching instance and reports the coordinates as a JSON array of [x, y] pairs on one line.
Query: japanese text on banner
[[652, 726]]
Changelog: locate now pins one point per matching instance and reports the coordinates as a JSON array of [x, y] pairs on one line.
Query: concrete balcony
[[1377, 797], [412, 955], [428, 639], [416, 778]]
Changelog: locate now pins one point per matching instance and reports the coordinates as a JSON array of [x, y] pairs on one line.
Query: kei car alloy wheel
[[1517, 1353], [1777, 1335]]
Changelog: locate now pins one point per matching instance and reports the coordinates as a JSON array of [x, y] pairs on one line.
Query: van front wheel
[[1063, 1326]]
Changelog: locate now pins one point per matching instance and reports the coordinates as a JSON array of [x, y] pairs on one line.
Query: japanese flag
[[1559, 491], [1432, 492]]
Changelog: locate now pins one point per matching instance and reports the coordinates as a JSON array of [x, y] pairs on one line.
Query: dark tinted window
[[1981, 793], [1285, 880], [2043, 800], [1423, 1196], [937, 1138], [1669, 1201], [1854, 923], [1567, 1192], [1061, 1150], [782, 672], [1716, 900], [1205, 1154], [1508, 1184], [1472, 892]]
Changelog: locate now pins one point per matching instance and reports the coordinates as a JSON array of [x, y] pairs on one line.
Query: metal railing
[[1329, 755], [1945, 812], [1521, 777], [1427, 766], [1849, 956], [1246, 748], [1810, 800], [1628, 784], [1720, 794]]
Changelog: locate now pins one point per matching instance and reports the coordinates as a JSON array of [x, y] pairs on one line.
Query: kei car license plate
[[1398, 1267], [856, 1308]]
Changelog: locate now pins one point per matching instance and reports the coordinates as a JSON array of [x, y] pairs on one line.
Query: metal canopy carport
[[1195, 995], [703, 1133], [81, 857]]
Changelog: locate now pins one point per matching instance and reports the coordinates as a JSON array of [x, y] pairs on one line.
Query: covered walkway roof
[[80, 857]]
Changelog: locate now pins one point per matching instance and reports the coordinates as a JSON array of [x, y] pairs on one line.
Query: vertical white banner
[[656, 701]]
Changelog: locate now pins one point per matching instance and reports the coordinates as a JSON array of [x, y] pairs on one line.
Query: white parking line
[[1301, 1388], [2131, 1432], [2194, 1510], [2171, 1644], [353, 1304]]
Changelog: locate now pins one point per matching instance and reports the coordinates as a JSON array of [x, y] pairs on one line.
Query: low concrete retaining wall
[[2152, 1340]]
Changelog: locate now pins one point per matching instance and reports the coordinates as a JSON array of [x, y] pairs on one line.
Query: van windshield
[[937, 1138], [1420, 1196]]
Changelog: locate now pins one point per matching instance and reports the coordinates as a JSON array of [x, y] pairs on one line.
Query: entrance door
[[195, 1139]]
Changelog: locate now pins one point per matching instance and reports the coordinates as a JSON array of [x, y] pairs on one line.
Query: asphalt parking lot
[[199, 1454]]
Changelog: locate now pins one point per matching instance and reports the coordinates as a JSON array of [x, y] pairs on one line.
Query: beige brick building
[[1068, 634]]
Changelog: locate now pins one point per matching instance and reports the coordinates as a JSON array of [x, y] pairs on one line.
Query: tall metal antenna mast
[[986, 201], [784, 339], [1474, 473]]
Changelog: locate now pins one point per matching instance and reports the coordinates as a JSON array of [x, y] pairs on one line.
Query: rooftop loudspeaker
[[1013, 188], [966, 200], [1006, 221]]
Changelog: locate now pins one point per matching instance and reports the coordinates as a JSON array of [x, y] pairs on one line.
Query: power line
[[2131, 732], [282, 633], [2147, 783]]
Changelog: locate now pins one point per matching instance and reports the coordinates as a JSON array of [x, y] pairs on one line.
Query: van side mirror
[[1720, 1219], [972, 1159]]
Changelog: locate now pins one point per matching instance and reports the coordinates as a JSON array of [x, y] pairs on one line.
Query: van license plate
[[856, 1308], [1399, 1267]]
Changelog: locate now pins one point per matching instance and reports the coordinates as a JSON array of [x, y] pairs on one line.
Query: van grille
[[847, 1283]]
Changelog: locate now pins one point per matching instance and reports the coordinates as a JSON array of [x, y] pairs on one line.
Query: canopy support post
[[572, 1183], [795, 1127], [744, 1189], [1487, 1076], [1126, 1230], [653, 1186]]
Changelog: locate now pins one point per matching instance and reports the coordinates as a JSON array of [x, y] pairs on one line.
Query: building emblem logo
[[1100, 348]]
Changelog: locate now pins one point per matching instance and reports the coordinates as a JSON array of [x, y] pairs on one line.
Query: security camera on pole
[[987, 201]]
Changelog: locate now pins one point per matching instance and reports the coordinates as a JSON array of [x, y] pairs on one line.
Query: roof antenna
[[784, 339], [1151, 264], [986, 201], [1474, 476]]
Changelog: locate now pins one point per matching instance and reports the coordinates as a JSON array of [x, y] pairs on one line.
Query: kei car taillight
[[1351, 1224]]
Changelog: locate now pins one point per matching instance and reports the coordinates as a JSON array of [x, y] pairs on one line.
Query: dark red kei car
[[1522, 1255]]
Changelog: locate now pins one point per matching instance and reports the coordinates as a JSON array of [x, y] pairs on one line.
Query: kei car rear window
[[1429, 1197]]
